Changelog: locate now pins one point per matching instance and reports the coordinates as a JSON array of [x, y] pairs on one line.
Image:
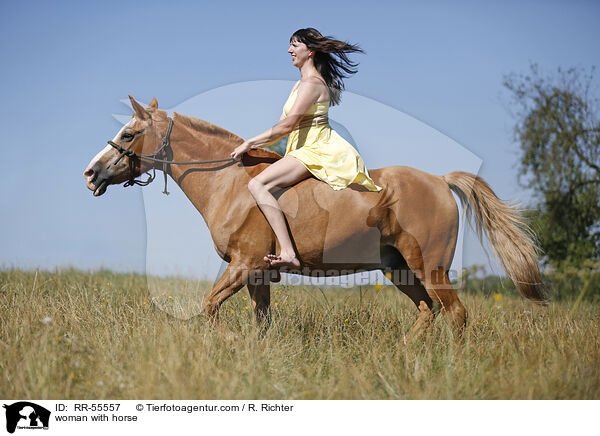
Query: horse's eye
[[127, 137]]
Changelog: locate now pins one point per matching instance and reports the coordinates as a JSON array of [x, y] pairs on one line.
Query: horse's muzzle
[[96, 180]]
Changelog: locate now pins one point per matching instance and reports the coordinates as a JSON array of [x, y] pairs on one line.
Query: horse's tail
[[507, 230]]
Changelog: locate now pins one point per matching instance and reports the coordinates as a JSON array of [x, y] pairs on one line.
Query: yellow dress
[[327, 155]]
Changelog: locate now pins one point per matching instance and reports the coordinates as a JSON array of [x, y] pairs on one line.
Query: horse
[[408, 230]]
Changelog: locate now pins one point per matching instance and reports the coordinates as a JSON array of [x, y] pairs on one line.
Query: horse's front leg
[[232, 280], [260, 294]]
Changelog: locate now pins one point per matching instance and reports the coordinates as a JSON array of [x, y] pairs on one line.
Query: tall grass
[[76, 335]]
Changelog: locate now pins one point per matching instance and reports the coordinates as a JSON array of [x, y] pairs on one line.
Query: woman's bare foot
[[283, 260]]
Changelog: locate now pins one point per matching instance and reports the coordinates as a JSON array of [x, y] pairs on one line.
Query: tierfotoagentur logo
[[26, 415]]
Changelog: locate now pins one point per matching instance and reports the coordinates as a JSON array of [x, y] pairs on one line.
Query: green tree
[[559, 134]]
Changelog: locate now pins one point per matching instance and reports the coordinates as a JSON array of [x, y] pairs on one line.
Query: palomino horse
[[408, 229]]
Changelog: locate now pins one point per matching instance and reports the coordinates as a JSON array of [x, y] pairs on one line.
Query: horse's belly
[[358, 247], [335, 232]]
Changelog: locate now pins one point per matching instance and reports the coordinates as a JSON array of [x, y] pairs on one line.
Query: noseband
[[159, 156]]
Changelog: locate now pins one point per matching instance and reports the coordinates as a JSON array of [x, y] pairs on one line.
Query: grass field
[[77, 335]]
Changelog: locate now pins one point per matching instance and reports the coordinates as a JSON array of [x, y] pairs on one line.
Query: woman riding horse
[[313, 147]]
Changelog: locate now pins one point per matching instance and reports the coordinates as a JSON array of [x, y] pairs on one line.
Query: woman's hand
[[240, 150]]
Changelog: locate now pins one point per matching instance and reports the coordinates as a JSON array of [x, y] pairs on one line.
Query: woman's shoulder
[[316, 80], [306, 81]]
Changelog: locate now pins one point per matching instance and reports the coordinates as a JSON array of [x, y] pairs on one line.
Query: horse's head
[[141, 134]]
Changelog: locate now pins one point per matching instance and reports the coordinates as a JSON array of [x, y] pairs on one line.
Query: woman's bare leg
[[281, 174]]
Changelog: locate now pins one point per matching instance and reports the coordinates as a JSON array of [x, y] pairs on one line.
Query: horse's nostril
[[89, 172]]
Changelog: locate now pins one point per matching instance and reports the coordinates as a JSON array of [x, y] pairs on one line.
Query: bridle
[[159, 156]]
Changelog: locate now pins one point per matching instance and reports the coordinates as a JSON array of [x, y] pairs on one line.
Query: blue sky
[[67, 65]]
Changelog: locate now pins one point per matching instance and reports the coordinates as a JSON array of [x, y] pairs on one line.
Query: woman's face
[[300, 52]]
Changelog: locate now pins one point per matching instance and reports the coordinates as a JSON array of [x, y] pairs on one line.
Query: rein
[[159, 156]]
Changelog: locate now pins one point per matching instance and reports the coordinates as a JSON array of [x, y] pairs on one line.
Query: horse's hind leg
[[429, 288], [398, 272], [434, 278], [442, 292], [419, 295]]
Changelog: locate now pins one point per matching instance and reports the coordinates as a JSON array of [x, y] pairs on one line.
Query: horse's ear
[[141, 113], [154, 103]]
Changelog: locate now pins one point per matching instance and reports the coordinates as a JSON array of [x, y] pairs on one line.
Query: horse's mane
[[211, 129]]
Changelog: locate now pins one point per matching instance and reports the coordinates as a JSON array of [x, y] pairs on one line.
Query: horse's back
[[402, 184]]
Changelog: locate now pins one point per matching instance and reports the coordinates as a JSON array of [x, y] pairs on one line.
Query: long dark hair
[[330, 59]]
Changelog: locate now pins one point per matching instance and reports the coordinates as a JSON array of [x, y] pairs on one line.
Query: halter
[[159, 156]]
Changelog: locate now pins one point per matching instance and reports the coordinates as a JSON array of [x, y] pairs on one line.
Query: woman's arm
[[308, 93]]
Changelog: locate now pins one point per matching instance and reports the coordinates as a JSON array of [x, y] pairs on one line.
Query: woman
[[313, 147]]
